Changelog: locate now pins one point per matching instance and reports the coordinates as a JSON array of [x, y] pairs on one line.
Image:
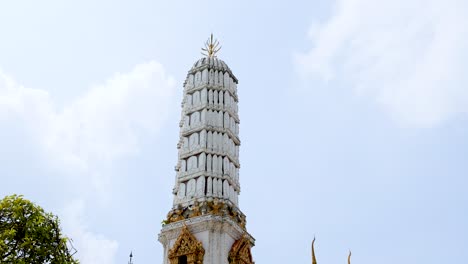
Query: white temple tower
[[205, 224]]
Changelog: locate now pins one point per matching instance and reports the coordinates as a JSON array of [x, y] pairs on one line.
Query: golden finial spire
[[349, 257], [211, 47], [314, 261]]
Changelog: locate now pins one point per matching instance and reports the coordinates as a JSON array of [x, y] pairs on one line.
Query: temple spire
[[349, 257], [207, 187], [314, 261]]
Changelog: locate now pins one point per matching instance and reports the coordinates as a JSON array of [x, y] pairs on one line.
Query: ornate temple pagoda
[[205, 224]]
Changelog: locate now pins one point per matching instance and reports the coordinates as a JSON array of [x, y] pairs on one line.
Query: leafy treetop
[[30, 235]]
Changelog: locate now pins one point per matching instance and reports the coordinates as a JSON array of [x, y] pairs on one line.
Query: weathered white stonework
[[207, 172], [209, 137]]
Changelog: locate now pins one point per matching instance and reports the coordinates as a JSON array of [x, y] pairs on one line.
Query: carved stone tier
[[232, 135], [232, 92], [212, 64], [206, 206]]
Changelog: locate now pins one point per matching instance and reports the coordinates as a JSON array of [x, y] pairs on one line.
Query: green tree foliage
[[30, 235]]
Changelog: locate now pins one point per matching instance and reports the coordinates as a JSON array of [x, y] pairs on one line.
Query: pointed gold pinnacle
[[314, 261], [211, 47]]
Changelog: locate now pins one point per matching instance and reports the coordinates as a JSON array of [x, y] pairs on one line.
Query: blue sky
[[353, 122]]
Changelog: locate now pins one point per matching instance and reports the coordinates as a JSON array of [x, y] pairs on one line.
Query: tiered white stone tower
[[205, 224]]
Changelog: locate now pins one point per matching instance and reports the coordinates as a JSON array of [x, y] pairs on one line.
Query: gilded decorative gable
[[187, 245], [240, 252]]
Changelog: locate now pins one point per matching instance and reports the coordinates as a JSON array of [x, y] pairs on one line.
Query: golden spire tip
[[314, 261], [211, 47]]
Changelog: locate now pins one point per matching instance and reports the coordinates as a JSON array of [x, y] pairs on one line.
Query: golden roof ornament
[[211, 47], [314, 261]]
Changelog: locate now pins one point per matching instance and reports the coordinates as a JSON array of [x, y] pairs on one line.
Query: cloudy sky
[[354, 122]]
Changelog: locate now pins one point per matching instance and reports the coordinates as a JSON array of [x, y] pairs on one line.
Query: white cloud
[[408, 55], [92, 248], [97, 128]]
